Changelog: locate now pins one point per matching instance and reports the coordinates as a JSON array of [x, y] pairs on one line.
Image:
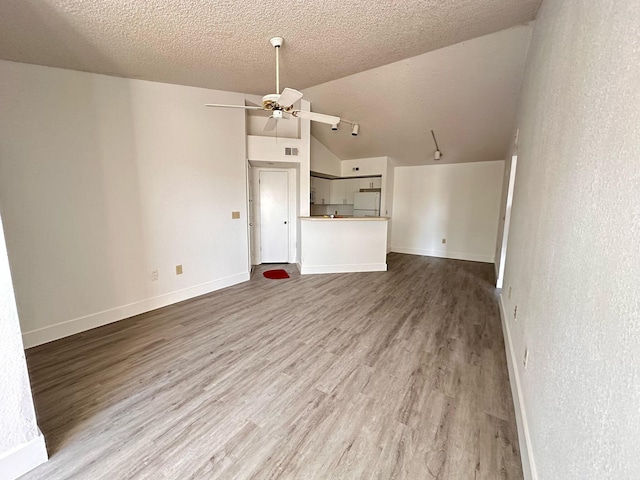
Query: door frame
[[255, 236], [507, 220]]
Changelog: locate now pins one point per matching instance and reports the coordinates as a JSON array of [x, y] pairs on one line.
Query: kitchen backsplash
[[331, 209]]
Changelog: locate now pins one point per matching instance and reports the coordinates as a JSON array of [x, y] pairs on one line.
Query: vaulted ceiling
[[223, 44]]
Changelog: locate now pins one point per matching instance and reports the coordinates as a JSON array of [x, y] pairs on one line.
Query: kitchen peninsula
[[340, 245]]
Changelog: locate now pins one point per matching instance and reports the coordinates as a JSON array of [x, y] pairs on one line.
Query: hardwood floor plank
[[399, 374]]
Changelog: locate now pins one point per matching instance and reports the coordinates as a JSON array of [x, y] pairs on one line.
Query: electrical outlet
[[154, 275], [444, 240], [525, 360], [509, 293], [235, 215], [178, 269], [515, 313]]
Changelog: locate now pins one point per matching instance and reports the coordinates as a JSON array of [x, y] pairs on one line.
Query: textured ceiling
[[223, 44], [467, 93]]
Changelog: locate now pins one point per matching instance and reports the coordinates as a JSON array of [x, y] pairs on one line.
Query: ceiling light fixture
[[438, 154], [355, 127]]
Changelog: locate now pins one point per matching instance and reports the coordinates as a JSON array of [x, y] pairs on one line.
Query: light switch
[[235, 215], [178, 269]]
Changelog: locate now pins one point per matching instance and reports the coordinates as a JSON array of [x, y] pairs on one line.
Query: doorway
[[507, 221], [274, 216]]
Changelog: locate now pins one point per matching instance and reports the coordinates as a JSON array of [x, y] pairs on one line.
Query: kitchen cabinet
[[323, 190], [342, 189], [351, 186], [370, 182], [338, 192]]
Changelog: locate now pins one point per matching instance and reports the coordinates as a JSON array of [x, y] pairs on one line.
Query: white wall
[[459, 202], [573, 259], [104, 180], [21, 444], [366, 166], [324, 160]]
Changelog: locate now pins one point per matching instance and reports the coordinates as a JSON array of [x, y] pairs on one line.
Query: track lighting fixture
[[355, 128]]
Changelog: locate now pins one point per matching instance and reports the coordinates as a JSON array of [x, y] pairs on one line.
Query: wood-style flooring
[[387, 375]]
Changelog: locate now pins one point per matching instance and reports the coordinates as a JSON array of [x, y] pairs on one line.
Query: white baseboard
[[23, 459], [526, 454], [444, 254], [345, 268], [81, 324]]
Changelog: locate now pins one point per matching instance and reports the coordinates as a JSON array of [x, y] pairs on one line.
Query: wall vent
[[290, 151]]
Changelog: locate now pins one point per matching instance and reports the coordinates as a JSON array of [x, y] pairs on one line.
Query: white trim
[[23, 458], [524, 439], [345, 268], [81, 324], [445, 254], [507, 218]]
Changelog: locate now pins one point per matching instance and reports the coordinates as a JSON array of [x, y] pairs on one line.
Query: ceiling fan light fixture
[[283, 102], [438, 154]]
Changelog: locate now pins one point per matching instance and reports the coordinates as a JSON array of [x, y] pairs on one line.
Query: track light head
[[355, 130], [334, 126]]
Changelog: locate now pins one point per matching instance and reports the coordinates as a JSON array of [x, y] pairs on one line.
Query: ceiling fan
[[281, 104]]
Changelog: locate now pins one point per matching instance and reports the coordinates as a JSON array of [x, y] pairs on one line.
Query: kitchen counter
[[340, 245], [359, 219]]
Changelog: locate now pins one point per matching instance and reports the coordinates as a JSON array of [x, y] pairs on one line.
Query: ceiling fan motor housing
[[269, 102]]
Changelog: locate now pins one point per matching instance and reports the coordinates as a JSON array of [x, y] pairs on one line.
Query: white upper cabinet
[[323, 190], [338, 192], [352, 186], [370, 182]]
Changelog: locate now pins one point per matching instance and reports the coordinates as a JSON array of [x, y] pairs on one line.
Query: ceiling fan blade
[[316, 117], [270, 125], [289, 96], [245, 107]]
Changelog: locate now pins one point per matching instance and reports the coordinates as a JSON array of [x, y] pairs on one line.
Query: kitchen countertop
[[348, 219]]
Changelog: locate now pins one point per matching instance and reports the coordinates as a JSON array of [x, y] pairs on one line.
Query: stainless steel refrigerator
[[366, 204]]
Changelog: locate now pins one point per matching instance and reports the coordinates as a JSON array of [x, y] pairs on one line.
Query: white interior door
[[274, 216]]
